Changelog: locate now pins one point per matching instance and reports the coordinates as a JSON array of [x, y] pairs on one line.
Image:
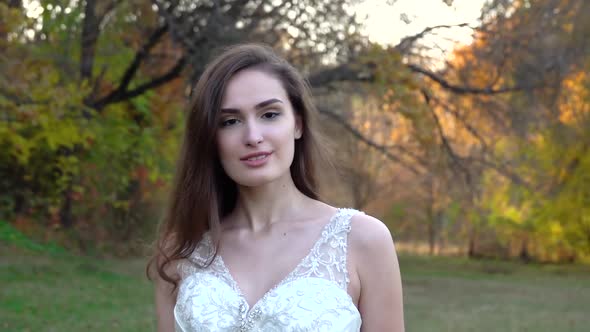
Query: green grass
[[452, 294], [59, 292]]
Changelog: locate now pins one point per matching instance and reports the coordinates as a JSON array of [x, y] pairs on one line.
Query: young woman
[[247, 245]]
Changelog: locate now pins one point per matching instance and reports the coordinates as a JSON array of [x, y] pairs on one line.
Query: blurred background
[[463, 125]]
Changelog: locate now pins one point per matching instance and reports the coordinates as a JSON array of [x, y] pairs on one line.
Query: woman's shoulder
[[369, 235]]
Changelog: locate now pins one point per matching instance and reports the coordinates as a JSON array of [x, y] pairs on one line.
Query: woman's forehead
[[250, 87]]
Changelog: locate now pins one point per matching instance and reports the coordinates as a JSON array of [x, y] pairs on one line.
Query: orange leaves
[[574, 104]]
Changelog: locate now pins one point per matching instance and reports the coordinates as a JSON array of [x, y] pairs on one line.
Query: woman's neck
[[259, 207]]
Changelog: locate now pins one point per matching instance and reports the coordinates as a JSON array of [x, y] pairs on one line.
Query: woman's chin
[[256, 180]]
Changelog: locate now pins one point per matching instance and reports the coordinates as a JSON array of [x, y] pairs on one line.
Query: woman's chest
[[207, 303]]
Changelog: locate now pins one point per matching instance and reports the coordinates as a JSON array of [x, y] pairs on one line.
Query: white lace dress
[[313, 297]]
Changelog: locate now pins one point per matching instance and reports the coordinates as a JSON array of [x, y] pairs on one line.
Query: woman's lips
[[257, 161]]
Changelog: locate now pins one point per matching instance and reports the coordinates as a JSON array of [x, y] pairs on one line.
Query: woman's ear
[[298, 126]]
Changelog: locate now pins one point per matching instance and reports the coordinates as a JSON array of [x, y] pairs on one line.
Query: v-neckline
[[238, 290]]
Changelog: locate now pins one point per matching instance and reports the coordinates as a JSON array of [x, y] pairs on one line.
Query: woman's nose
[[253, 135]]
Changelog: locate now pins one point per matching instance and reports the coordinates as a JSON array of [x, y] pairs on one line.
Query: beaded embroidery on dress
[[313, 297]]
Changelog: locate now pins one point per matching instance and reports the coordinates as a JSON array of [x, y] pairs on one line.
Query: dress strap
[[204, 250], [201, 256], [346, 215], [340, 239], [328, 259]]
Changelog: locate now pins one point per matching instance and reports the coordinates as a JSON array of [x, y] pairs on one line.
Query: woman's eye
[[229, 122], [270, 115]]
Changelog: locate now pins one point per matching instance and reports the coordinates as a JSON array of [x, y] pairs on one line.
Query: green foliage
[[57, 151], [44, 124], [567, 206], [12, 237], [554, 208], [54, 147]]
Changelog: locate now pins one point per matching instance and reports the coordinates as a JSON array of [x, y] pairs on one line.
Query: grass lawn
[[452, 294], [65, 293]]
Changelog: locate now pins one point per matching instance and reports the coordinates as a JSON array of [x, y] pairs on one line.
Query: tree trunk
[[65, 213], [431, 236], [524, 252], [471, 250], [89, 37]]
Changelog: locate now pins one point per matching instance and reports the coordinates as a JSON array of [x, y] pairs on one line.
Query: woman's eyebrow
[[267, 102], [258, 106]]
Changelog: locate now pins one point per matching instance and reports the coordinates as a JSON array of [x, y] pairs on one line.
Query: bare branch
[[407, 42], [467, 89], [366, 73], [108, 9], [343, 72], [455, 113], [445, 142], [141, 55], [367, 141], [118, 96], [501, 169]]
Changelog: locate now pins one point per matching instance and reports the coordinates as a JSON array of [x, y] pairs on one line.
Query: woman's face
[[257, 129]]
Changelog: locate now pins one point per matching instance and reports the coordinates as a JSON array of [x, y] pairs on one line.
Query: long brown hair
[[202, 193]]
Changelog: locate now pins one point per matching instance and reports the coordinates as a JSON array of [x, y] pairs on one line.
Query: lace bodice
[[313, 297]]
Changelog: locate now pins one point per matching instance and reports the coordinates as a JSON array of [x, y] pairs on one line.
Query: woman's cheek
[[225, 143]]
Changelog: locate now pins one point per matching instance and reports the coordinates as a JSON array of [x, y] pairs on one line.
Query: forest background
[[480, 152], [477, 158]]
